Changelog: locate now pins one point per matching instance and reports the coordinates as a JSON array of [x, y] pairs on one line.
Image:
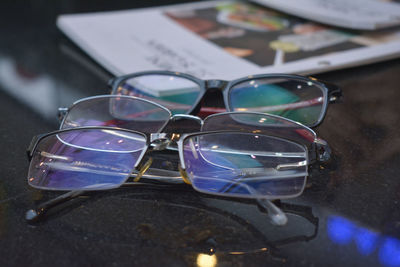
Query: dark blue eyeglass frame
[[330, 92]]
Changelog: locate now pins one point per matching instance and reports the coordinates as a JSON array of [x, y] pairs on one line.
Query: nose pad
[[143, 169], [184, 175]]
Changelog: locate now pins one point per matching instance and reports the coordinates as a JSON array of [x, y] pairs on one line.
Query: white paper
[[223, 40], [355, 14]]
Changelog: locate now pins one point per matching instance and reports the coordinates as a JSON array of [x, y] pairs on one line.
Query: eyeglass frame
[[164, 140], [319, 152], [331, 92]]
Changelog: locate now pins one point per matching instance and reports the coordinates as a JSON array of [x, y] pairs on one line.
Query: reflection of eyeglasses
[[294, 97], [229, 163], [225, 214]]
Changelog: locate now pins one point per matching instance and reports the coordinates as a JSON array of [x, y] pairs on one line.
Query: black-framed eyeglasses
[[299, 98]]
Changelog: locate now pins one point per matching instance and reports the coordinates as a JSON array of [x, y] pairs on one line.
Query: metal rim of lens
[[133, 98], [201, 83], [181, 143], [42, 137]]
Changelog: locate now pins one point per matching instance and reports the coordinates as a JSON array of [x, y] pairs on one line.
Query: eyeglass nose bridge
[[159, 141], [216, 84], [187, 117]]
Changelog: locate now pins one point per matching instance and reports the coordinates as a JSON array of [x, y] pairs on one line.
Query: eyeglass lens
[[113, 111], [260, 123], [178, 94], [245, 165], [296, 99], [85, 159]]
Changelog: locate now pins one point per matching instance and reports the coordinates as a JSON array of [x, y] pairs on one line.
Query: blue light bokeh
[[342, 232]]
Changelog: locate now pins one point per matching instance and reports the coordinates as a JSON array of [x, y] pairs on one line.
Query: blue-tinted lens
[[116, 111], [297, 99], [245, 165], [178, 94], [85, 159]]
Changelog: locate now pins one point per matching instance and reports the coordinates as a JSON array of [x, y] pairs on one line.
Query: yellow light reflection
[[204, 260]]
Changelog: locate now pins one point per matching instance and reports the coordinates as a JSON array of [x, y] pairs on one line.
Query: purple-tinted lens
[[245, 165], [262, 124], [117, 111], [85, 159]]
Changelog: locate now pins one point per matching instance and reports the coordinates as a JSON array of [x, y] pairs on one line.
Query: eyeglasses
[[230, 163], [298, 98], [142, 115], [223, 163], [219, 152]]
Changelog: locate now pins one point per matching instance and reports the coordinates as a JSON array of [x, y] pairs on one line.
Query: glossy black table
[[349, 215]]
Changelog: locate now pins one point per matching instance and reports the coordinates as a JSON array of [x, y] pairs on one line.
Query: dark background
[[356, 199]]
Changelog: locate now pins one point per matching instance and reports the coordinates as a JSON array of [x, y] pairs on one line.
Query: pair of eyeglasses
[[134, 113], [249, 155], [295, 97]]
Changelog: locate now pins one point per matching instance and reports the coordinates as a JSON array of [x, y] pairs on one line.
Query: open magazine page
[[224, 40], [355, 14]]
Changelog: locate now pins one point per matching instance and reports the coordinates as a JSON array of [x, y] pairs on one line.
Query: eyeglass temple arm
[[32, 146], [306, 213], [335, 94], [34, 215], [276, 215]]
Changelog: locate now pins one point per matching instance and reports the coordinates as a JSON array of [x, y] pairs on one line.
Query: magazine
[[354, 14], [223, 40]]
